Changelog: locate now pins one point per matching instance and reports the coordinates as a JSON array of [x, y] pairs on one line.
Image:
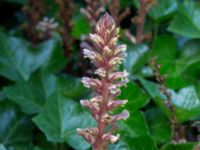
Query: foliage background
[[41, 88]]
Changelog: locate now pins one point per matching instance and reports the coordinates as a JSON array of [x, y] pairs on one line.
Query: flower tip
[[112, 138], [82, 102], [125, 101], [125, 114], [106, 22], [78, 130], [106, 16]]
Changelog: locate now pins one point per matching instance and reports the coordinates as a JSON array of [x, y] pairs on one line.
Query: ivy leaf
[[31, 95], [191, 48], [60, 118], [159, 126], [136, 57], [185, 101], [18, 59], [134, 126], [162, 10], [15, 129], [142, 143], [56, 60], [72, 87], [133, 131], [186, 23], [164, 48], [135, 96]]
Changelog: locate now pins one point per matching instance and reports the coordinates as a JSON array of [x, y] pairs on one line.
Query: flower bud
[[111, 138], [116, 103], [91, 83], [89, 134], [101, 72]]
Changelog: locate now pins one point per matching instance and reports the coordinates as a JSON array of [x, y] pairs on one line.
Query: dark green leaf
[[60, 118], [136, 57], [185, 101], [31, 95], [134, 126], [164, 48], [135, 96], [57, 60], [187, 21], [71, 87], [191, 48], [18, 60], [159, 126], [141, 143], [162, 10], [15, 129]]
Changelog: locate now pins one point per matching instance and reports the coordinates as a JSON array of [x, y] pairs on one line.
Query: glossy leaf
[[136, 57], [134, 126], [191, 48], [142, 143], [164, 48], [56, 60], [185, 101], [60, 118], [135, 96], [159, 126], [162, 10], [165, 51], [15, 129], [186, 23], [182, 71], [31, 95], [18, 59], [71, 87]]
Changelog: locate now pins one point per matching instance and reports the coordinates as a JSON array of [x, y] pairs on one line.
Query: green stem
[[59, 146]]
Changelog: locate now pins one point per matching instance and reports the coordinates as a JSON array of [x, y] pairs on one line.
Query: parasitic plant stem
[[106, 57], [140, 24], [139, 20]]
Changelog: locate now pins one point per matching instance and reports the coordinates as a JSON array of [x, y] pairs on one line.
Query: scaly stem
[[175, 125], [141, 22], [99, 145]]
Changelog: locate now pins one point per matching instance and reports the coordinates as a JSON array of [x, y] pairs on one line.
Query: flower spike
[[106, 57]]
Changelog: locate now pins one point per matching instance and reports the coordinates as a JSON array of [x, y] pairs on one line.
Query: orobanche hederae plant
[[106, 56]]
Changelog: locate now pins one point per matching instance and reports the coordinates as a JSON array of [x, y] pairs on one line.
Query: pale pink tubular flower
[[106, 57]]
